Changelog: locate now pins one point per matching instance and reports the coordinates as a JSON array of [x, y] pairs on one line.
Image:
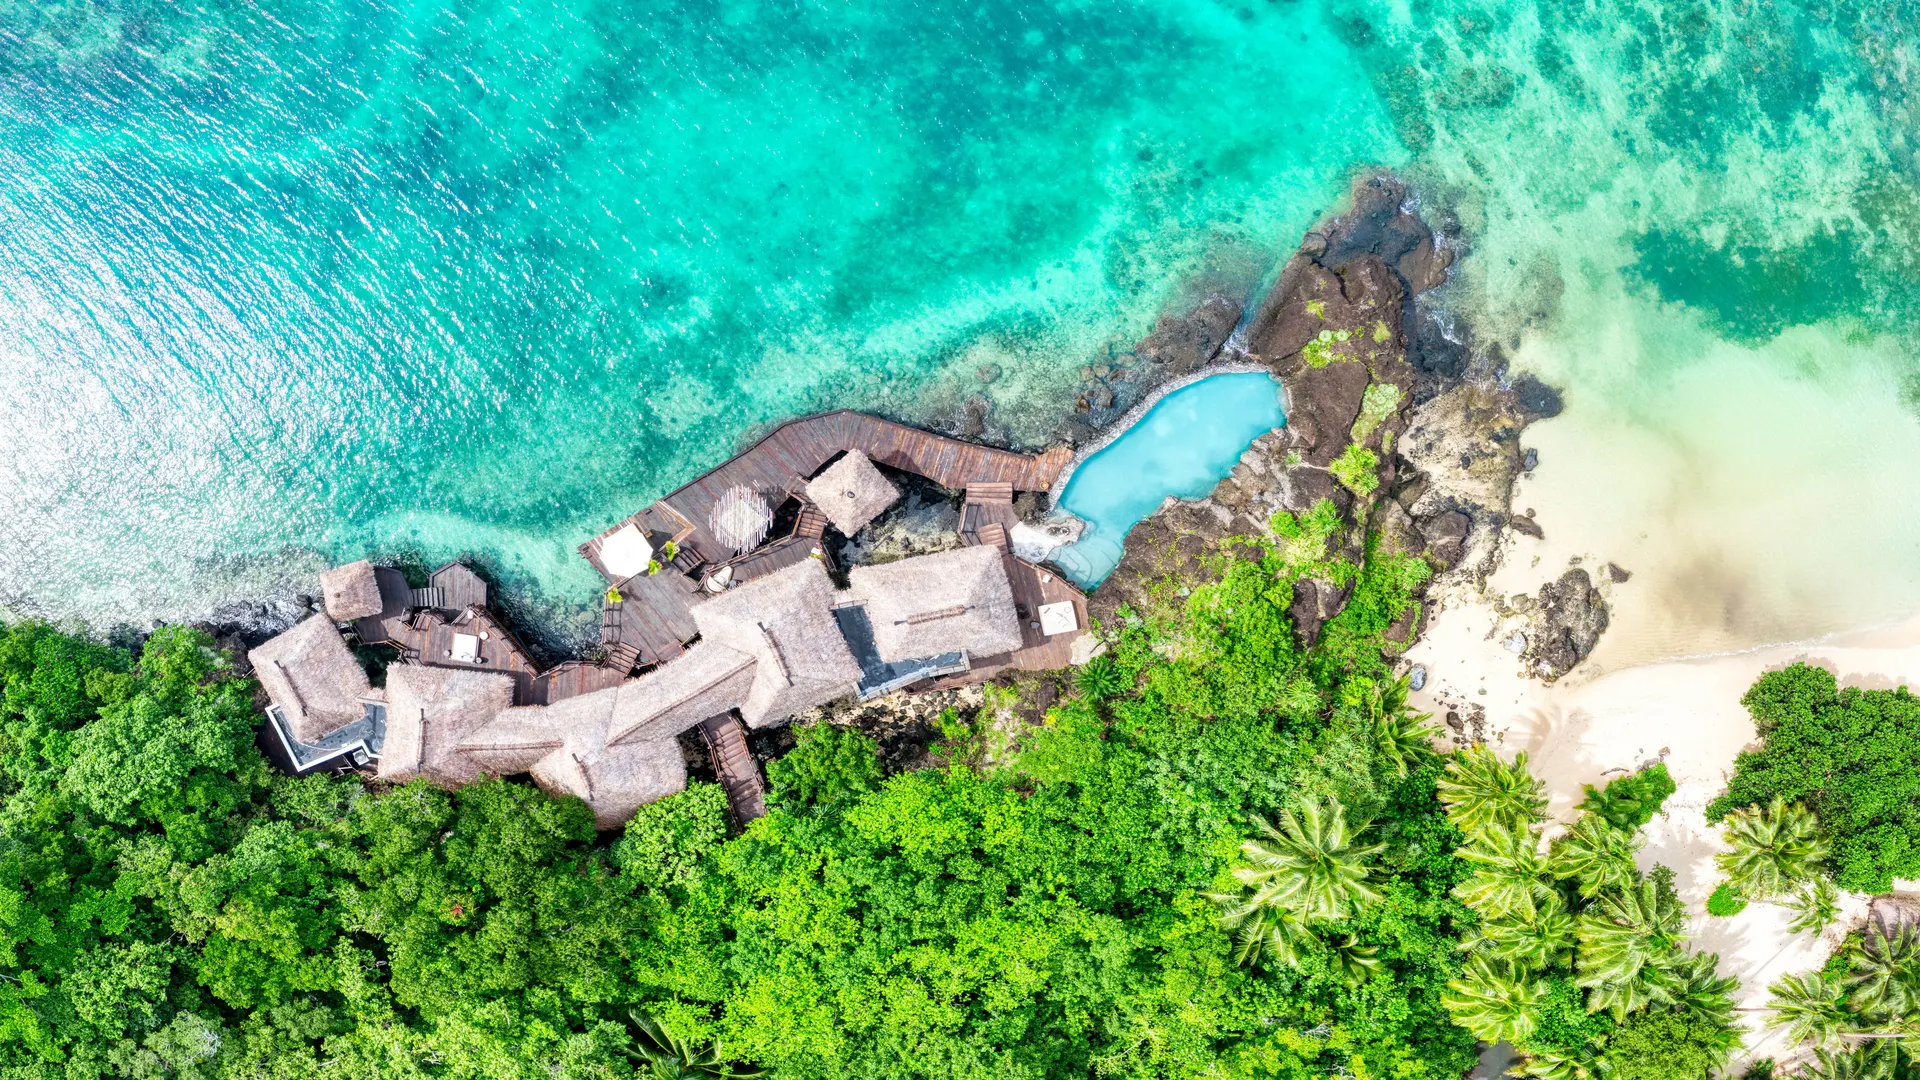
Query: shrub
[[1354, 469], [1669, 1044], [1726, 901], [830, 764], [1630, 801], [1850, 756]]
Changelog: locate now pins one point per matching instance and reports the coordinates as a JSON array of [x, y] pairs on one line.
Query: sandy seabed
[[1685, 712]]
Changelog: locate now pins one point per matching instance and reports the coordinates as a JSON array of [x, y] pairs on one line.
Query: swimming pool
[[1188, 442]]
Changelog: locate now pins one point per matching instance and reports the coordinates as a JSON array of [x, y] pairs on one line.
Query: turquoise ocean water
[[289, 281]]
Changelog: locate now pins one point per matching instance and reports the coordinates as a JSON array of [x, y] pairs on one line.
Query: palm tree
[[1693, 983], [668, 1058], [1402, 737], [1885, 983], [1814, 907], [1597, 855], [1774, 848], [1508, 876], [1482, 792], [1263, 934], [1312, 866], [1493, 1002], [1528, 944], [1812, 1009], [1873, 1061], [1628, 939], [1355, 962]]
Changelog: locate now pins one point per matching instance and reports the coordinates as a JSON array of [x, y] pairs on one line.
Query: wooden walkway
[[426, 637], [733, 764], [779, 465]]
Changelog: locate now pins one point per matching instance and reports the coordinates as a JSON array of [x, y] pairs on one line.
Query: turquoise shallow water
[[287, 281], [290, 281], [1184, 445]]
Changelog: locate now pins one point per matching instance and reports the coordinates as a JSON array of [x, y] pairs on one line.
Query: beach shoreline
[[1685, 712]]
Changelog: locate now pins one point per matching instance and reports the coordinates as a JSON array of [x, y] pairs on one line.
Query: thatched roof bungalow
[[957, 600], [312, 677], [430, 711], [785, 622], [351, 591], [851, 492]]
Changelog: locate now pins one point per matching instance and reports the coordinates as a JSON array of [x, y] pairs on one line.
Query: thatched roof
[[314, 679], [430, 711], [706, 680], [785, 622], [351, 591], [740, 518], [851, 492], [957, 600], [522, 735], [614, 780]]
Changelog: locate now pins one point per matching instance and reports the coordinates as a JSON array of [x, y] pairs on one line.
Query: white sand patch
[[1687, 713]]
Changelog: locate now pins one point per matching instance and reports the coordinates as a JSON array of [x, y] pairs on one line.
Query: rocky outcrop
[[1564, 625], [1180, 345], [1392, 414], [924, 521]]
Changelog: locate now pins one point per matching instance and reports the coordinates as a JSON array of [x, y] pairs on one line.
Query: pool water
[[1188, 442]]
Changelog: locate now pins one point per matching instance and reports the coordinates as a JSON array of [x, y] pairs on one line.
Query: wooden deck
[[1034, 586], [426, 637], [654, 616], [779, 465]]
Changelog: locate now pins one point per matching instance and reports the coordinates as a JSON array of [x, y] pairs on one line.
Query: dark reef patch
[[1754, 292]]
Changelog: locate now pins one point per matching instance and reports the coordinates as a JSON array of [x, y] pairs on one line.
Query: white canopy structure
[[627, 552], [740, 518]]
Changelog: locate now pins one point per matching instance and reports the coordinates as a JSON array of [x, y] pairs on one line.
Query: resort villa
[[707, 623]]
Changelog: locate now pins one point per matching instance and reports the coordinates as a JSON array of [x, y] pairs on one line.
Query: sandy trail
[[1686, 712]]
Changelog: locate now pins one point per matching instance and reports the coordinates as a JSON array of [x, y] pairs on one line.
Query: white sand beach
[[1685, 712]]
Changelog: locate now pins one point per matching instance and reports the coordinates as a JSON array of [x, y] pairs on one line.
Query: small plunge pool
[[1185, 444]]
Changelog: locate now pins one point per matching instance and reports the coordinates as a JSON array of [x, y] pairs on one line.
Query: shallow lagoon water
[[286, 282], [1186, 443]]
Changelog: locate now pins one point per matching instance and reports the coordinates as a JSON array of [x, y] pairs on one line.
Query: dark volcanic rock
[[1446, 536], [1322, 404], [1314, 602], [1524, 524], [1535, 398], [1565, 624], [1185, 343]]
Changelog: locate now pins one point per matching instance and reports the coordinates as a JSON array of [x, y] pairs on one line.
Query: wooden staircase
[[993, 492], [812, 524], [430, 597], [739, 774], [622, 657], [992, 534]]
